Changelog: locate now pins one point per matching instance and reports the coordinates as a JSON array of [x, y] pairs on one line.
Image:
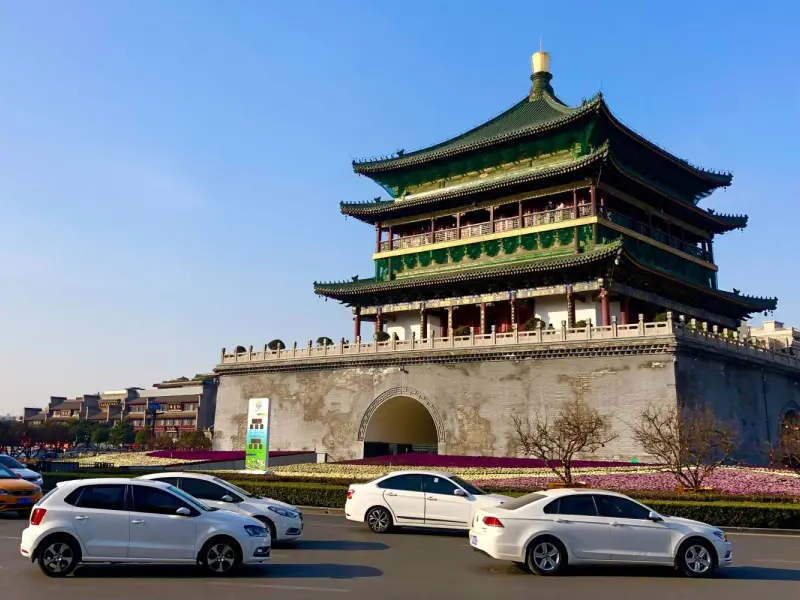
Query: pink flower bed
[[728, 481], [213, 455], [443, 461]]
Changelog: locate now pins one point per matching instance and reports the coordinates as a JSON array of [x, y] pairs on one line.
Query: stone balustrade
[[692, 330]]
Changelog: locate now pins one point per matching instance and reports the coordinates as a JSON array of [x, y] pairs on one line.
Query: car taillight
[[37, 515], [350, 494], [492, 522]]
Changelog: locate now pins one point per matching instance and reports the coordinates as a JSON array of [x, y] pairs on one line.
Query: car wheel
[[546, 556], [696, 558], [220, 556], [58, 556], [273, 534], [379, 520]]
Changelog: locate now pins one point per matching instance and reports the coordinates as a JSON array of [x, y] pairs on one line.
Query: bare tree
[[786, 450], [557, 439], [689, 443]]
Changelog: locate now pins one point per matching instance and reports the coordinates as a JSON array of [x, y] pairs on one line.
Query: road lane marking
[[297, 588], [10, 537]]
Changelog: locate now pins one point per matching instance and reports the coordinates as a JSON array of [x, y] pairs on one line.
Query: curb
[[339, 512]]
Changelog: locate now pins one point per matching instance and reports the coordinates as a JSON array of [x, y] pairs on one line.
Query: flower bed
[[726, 480], [444, 461], [163, 458]]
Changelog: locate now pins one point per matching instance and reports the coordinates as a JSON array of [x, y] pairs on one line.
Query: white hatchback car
[[428, 499], [284, 521], [546, 531], [136, 521]]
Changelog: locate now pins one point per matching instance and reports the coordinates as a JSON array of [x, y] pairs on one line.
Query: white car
[[135, 521], [284, 521], [546, 531], [12, 464], [429, 499]]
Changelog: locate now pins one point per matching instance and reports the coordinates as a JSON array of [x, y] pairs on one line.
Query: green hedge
[[711, 508]]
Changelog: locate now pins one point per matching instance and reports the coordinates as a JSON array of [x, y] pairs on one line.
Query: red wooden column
[[605, 308], [357, 324], [624, 309], [378, 231], [378, 321], [593, 203]]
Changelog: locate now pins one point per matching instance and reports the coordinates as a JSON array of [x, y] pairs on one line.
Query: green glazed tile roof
[[533, 114], [568, 165], [353, 288], [525, 117]]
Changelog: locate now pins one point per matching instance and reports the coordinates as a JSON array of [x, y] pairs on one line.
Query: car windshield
[[236, 488], [11, 463], [191, 499], [468, 487], [6, 474]]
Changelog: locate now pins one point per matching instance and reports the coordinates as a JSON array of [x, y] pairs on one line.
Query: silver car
[[18, 468]]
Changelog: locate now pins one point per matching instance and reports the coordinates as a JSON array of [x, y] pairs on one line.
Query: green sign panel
[[257, 440]]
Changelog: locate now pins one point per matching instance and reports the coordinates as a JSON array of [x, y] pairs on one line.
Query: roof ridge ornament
[[541, 76]]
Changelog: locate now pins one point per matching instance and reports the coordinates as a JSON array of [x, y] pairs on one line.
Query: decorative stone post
[[641, 324], [614, 327], [563, 331]]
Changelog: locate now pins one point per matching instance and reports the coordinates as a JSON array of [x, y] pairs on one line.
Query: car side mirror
[[18, 475], [183, 511], [654, 516], [227, 498], [459, 492]]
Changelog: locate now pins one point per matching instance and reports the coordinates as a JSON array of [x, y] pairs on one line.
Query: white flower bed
[[126, 459]]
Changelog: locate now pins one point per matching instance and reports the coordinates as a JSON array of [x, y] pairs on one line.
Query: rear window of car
[[525, 500]]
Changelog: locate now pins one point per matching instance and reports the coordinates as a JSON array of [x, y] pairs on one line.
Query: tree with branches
[[691, 443], [786, 449], [558, 439]]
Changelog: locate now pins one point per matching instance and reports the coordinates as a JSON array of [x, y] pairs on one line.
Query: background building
[[776, 335]]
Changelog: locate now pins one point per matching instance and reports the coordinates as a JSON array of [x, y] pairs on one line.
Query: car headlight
[[290, 514], [255, 531], [721, 535]]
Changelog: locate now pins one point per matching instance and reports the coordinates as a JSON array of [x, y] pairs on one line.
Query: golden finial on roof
[[540, 61]]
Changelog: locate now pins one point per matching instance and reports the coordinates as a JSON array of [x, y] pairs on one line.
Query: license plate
[[474, 540], [24, 501]]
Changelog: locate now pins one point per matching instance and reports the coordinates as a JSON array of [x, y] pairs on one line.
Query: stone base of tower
[[460, 400]]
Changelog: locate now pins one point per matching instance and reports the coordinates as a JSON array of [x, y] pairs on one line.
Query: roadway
[[336, 559]]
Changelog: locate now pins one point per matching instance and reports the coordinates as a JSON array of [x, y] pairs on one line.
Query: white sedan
[[546, 531], [135, 521], [429, 499], [284, 521]]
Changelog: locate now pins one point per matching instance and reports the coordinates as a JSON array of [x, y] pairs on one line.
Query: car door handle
[[561, 521], [615, 524], [391, 494], [431, 498], [137, 521], [81, 518]]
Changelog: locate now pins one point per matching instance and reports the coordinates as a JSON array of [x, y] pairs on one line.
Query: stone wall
[[323, 408], [751, 394]]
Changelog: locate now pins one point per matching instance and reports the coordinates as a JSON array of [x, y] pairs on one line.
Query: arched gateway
[[399, 421]]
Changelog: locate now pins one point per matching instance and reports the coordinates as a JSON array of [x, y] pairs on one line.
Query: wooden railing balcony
[[572, 336], [482, 229], [655, 233]]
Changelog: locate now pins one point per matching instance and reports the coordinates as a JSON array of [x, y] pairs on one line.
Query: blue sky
[[170, 172]]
